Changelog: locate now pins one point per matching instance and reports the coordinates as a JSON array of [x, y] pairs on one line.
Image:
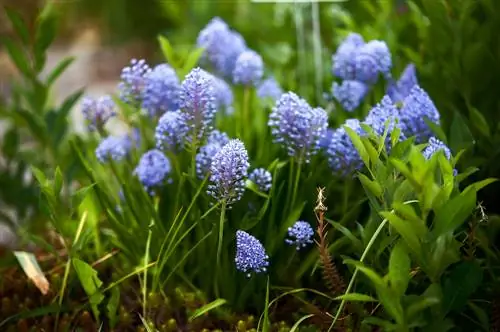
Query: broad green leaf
[[18, 24], [58, 181], [358, 144], [206, 308], [90, 283], [34, 123], [253, 187], [10, 144], [479, 121], [407, 231], [460, 285], [460, 136], [407, 212], [421, 304], [399, 268], [370, 186], [454, 213], [356, 297], [401, 167], [59, 69], [167, 50], [18, 57], [480, 184], [32, 270], [192, 60]]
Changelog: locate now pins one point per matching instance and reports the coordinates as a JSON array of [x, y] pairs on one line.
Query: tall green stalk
[[219, 247]]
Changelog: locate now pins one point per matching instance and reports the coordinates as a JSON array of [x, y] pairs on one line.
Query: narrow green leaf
[[478, 120], [406, 230], [421, 304], [58, 181], [46, 29], [358, 144], [112, 306], [32, 270], [460, 135], [167, 50], [460, 285], [480, 184], [18, 24], [90, 283], [370, 186], [399, 269], [206, 308], [18, 57], [253, 187], [59, 69], [454, 213], [192, 60], [295, 326], [356, 297]]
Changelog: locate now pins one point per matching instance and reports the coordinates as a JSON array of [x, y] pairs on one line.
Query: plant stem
[[246, 120], [296, 183], [290, 181], [219, 246], [146, 261]]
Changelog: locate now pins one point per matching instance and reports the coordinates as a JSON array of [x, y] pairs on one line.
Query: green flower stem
[[246, 110], [296, 183], [290, 182], [219, 247]]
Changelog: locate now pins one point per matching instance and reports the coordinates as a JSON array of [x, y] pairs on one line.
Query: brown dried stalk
[[331, 276]]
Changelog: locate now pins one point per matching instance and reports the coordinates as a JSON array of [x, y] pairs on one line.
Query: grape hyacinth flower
[[98, 111], [262, 178], [113, 147], [251, 256], [153, 169], [269, 88], [224, 97], [228, 171], [399, 90], [222, 46], [372, 59], [434, 146], [343, 158], [133, 81], [171, 131], [215, 141], [344, 58], [416, 110], [301, 234], [384, 116], [197, 101], [161, 90], [248, 69], [297, 126], [218, 137], [349, 93], [324, 142]]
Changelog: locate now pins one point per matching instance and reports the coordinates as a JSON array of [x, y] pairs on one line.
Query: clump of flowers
[[343, 158], [269, 88], [349, 93], [344, 64], [248, 69], [161, 90], [133, 82], [216, 140], [300, 234], [171, 131], [297, 126], [153, 169], [228, 171], [97, 111], [262, 178], [224, 97], [399, 90], [251, 256], [434, 145], [197, 102], [416, 110], [222, 46], [113, 147]]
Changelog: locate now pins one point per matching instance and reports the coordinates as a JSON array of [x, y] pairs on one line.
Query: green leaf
[[46, 29], [32, 270], [454, 213], [407, 231], [33, 122], [206, 308], [18, 57], [437, 130], [480, 184], [358, 144], [399, 269], [385, 324], [460, 285], [421, 304], [112, 306], [167, 50], [478, 120], [59, 69], [460, 135], [18, 24], [356, 297], [10, 145], [370, 186], [58, 181], [295, 326], [90, 283], [192, 60], [253, 187]]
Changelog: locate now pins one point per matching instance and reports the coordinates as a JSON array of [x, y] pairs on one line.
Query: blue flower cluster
[[343, 157], [113, 147], [171, 131], [248, 69], [262, 178], [222, 46], [385, 116], [297, 126], [97, 111], [228, 172], [399, 90], [161, 90], [359, 65], [133, 81], [197, 102], [216, 140], [250, 256], [434, 145], [153, 169], [301, 234], [224, 97], [269, 88]]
